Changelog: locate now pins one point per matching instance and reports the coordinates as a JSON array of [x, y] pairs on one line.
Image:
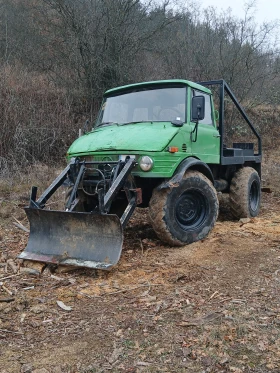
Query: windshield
[[146, 105]]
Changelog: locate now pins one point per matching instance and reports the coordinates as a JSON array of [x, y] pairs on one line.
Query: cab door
[[207, 144]]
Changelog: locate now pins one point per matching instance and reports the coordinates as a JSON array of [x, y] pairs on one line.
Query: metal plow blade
[[73, 238]]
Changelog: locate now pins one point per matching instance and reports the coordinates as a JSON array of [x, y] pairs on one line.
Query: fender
[[188, 163]]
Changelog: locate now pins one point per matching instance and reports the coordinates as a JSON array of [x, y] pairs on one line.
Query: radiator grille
[[100, 158]]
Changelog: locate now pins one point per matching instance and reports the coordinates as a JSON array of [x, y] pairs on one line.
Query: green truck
[[156, 144]]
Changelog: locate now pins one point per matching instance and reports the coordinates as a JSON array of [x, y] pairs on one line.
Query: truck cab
[[153, 122]]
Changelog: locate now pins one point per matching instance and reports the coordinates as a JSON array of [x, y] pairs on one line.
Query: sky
[[266, 10]]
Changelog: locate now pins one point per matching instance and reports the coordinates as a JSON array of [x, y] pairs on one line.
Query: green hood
[[131, 137]]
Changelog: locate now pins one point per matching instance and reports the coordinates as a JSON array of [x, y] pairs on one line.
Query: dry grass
[[15, 191], [271, 169], [38, 121]]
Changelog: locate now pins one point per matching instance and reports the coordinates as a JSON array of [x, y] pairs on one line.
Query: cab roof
[[159, 82]]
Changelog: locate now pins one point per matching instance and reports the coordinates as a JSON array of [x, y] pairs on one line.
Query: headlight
[[146, 163]]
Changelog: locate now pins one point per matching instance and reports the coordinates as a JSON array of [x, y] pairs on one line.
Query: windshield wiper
[[137, 121], [106, 124]]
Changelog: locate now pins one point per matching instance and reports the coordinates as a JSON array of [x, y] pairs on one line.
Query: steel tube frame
[[105, 199], [224, 87]]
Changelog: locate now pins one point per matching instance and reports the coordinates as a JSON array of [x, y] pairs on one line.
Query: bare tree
[[214, 46], [58, 56]]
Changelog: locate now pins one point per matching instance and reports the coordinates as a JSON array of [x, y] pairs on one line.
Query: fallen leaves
[[5, 289], [203, 320], [12, 265], [39, 308], [206, 307], [63, 306], [143, 364], [7, 300]]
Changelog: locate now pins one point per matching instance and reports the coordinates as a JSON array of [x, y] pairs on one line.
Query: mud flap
[[73, 238]]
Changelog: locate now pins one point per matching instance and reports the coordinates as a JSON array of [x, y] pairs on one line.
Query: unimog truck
[[156, 144]]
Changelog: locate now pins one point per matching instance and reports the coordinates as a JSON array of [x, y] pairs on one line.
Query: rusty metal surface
[[73, 238]]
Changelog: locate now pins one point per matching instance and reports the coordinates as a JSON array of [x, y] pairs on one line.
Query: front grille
[[91, 168], [100, 158]]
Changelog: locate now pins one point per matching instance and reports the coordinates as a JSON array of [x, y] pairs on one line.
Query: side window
[[208, 119]]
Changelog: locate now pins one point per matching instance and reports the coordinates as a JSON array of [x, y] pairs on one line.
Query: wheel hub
[[191, 209]]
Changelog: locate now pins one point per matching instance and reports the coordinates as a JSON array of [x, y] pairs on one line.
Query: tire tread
[[158, 206], [238, 195]]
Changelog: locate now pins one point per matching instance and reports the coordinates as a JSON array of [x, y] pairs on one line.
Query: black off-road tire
[[185, 213], [245, 193]]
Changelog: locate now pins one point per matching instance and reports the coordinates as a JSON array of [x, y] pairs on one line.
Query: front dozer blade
[[73, 238]]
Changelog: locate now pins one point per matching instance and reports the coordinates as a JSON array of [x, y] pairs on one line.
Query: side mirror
[[198, 108]]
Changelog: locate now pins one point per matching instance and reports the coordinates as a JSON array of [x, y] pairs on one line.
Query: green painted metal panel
[[165, 163], [207, 146], [158, 82], [132, 137]]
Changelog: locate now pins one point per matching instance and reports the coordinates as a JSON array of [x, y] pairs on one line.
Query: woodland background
[[57, 57]]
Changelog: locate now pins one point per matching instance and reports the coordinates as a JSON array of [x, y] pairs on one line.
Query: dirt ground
[[212, 306]]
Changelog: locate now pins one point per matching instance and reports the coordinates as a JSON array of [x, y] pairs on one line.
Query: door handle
[[216, 135]]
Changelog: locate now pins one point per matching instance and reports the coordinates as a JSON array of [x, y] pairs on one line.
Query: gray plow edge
[[73, 238]]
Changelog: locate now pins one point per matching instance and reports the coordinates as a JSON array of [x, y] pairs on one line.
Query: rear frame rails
[[241, 156]]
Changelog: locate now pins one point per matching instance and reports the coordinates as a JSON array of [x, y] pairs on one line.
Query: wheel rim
[[254, 195], [191, 209]]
